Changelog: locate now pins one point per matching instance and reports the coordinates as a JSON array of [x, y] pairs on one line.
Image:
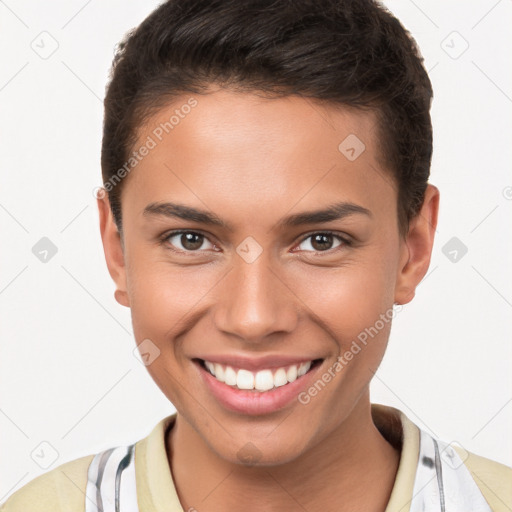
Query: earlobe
[[113, 249], [121, 296], [417, 247]]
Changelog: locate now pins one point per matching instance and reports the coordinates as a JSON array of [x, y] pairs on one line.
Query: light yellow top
[[63, 488]]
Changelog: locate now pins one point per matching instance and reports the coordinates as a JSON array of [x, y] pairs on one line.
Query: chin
[[261, 452]]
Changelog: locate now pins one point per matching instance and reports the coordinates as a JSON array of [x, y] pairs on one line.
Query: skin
[[252, 161]]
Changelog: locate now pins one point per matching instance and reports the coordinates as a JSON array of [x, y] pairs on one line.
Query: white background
[[67, 371]]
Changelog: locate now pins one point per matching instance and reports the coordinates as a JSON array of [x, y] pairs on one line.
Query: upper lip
[[271, 361]]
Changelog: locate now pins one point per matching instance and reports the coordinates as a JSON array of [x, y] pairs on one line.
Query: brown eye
[[322, 242], [191, 241], [187, 241]]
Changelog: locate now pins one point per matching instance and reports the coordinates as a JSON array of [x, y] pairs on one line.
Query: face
[[227, 259]]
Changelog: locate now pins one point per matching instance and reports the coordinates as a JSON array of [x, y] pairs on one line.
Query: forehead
[[274, 121], [244, 147]]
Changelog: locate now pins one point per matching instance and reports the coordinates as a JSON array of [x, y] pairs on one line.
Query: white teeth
[[291, 373], [262, 380], [245, 379], [280, 378], [230, 376], [219, 372], [303, 368]]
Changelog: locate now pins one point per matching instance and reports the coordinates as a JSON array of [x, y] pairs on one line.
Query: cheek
[[165, 297], [164, 303], [346, 299], [353, 304]]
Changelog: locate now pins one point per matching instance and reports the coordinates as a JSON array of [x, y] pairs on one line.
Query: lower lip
[[256, 402]]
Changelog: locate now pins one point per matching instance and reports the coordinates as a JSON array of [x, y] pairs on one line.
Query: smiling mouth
[[260, 381]]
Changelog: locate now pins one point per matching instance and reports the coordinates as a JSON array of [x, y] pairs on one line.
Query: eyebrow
[[333, 212]]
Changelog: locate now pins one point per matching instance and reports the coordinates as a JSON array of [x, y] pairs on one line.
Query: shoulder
[[465, 473], [64, 488], [493, 479], [61, 489]]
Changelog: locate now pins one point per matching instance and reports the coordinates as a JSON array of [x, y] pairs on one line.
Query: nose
[[256, 302]]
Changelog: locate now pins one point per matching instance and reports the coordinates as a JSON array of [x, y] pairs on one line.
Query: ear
[[113, 248], [416, 249]]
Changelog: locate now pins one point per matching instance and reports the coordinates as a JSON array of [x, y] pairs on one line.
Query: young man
[[267, 203]]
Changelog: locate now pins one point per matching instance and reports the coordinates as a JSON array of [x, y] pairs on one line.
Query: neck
[[338, 474]]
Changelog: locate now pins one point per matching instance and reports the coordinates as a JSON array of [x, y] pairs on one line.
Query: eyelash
[[345, 241]]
